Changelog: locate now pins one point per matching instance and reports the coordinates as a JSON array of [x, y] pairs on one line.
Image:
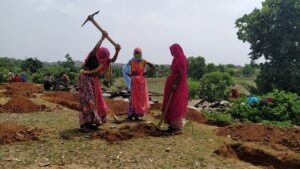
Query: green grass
[[245, 85], [193, 149]]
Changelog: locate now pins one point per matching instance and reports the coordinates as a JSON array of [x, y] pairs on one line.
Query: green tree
[[32, 65], [210, 67], [196, 67], [69, 64], [274, 33], [248, 70]]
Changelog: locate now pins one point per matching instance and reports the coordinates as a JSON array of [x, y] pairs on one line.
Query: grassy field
[[193, 149], [244, 85]]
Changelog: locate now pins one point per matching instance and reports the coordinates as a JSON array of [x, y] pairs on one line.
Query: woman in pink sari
[[176, 84], [93, 109]]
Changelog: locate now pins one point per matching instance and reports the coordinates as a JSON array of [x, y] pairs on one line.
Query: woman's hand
[[104, 34], [118, 47]]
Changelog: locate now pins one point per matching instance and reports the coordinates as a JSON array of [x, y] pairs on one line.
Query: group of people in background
[[93, 109], [11, 77]]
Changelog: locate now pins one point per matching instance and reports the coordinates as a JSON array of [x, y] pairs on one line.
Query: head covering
[[177, 51], [137, 50], [102, 55]]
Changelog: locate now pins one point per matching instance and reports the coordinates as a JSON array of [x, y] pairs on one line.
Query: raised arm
[[118, 48], [104, 35]]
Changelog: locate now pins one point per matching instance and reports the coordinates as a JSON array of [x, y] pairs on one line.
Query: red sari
[[178, 106]]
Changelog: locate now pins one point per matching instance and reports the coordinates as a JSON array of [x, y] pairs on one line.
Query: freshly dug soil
[[67, 99], [258, 157], [269, 135], [128, 132], [12, 132], [156, 106], [24, 89], [20, 104], [71, 100]]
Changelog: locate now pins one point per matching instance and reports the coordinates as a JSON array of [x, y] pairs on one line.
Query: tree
[[210, 67], [248, 70], [196, 67], [69, 64], [32, 65], [274, 33]]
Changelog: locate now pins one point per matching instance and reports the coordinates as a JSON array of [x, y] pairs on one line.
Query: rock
[[225, 103], [168, 149], [106, 95], [118, 98], [206, 104], [194, 103], [126, 100], [112, 127]]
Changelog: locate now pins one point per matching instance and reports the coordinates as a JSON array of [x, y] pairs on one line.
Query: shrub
[[193, 87], [213, 86], [285, 106], [218, 118]]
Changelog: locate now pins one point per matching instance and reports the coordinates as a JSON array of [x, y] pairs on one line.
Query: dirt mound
[[128, 132], [12, 132], [258, 156], [269, 135], [156, 106], [71, 100], [20, 104], [67, 99], [118, 107], [195, 116], [24, 89]]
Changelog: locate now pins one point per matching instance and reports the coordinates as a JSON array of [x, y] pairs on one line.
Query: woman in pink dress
[[177, 85], [93, 109]]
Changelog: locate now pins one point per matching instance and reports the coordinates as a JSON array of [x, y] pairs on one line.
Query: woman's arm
[[118, 48], [92, 72], [104, 35]]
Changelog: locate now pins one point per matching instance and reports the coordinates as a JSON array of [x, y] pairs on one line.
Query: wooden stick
[[102, 30], [166, 109]]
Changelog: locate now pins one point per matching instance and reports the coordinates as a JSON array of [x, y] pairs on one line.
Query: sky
[[49, 29]]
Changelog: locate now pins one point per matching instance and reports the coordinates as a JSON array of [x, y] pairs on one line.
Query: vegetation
[[273, 33]]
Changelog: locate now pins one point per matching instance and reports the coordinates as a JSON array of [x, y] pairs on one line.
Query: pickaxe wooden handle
[[99, 27]]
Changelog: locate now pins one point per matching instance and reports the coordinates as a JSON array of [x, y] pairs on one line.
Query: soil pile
[[156, 106], [67, 99], [118, 107], [258, 157], [195, 116], [71, 100], [12, 132], [20, 104], [128, 132], [269, 135], [23, 89]]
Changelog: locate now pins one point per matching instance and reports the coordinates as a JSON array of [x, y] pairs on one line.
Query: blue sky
[[48, 29]]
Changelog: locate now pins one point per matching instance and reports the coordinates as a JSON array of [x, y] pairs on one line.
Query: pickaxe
[[91, 18]]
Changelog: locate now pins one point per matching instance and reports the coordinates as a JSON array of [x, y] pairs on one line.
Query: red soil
[[24, 89], [12, 132], [20, 104], [269, 135], [128, 132]]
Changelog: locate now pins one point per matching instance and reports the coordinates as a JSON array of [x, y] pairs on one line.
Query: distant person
[[17, 78], [108, 76], [234, 93], [253, 100], [23, 77], [11, 77], [139, 100], [176, 91], [48, 82], [93, 109]]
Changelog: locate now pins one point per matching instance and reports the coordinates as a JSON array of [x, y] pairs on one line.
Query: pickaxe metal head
[[87, 19]]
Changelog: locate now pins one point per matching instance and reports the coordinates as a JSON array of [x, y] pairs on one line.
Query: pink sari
[[178, 106], [93, 108]]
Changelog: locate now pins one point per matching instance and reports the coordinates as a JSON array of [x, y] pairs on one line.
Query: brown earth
[[20, 104], [258, 156], [268, 135], [12, 132], [24, 89], [71, 100], [128, 132]]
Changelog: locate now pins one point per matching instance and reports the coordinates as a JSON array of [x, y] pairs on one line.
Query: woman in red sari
[[139, 100], [176, 84], [93, 109]]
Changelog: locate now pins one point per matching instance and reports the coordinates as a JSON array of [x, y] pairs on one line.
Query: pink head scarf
[[179, 58], [102, 55], [137, 50]]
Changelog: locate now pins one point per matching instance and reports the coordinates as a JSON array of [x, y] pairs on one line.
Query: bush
[[284, 107], [213, 86], [218, 118], [3, 74], [193, 87]]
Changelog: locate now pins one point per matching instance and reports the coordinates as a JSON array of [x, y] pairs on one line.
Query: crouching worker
[[93, 109]]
